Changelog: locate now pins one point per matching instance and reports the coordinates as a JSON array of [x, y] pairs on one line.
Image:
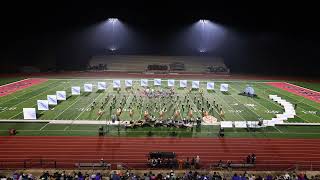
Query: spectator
[[180, 163], [187, 163], [197, 162], [269, 177], [248, 159], [253, 158], [193, 162], [252, 177], [216, 176], [236, 177], [229, 163]]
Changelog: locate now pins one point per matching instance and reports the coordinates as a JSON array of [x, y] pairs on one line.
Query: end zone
[[16, 86]]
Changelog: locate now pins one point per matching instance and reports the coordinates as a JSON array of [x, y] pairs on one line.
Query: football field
[[102, 105]]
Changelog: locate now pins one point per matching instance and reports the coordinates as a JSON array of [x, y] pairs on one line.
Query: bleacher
[[135, 63]]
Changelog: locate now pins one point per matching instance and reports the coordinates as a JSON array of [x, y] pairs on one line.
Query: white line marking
[[44, 126], [15, 97], [277, 129], [88, 106], [14, 82], [67, 108], [66, 128], [32, 98]]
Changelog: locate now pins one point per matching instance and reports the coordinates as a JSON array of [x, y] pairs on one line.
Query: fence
[[42, 163]]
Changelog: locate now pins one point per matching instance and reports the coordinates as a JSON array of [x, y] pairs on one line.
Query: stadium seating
[[172, 63]]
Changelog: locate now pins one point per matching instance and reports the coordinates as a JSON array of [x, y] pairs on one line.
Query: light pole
[[113, 46], [203, 36]]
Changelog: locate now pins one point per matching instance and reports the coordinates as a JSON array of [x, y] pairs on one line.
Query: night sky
[[267, 37]]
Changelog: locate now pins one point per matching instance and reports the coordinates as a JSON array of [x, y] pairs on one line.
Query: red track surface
[[273, 154], [300, 91], [16, 86]]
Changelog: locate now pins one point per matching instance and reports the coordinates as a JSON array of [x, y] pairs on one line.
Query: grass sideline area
[[235, 107], [45, 129]]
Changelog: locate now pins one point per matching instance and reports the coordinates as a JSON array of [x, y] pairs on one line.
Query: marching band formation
[[160, 107]]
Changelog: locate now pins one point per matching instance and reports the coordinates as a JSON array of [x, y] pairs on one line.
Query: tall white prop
[[171, 82], [102, 85], [226, 124], [29, 113], [43, 105], [87, 87], [116, 84], [157, 82], [52, 99], [195, 84], [224, 87], [75, 90], [61, 95], [144, 82], [128, 83], [183, 83], [210, 85]]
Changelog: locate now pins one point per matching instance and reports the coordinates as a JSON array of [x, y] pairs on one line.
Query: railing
[[28, 163], [60, 164]]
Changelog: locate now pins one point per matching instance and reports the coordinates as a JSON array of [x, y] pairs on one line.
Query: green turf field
[[235, 108]]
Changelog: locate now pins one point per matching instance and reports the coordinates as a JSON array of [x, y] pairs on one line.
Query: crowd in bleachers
[[216, 69], [173, 163], [176, 66], [157, 67], [98, 67], [168, 175]]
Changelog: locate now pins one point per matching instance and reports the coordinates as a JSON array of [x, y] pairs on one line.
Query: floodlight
[[204, 21], [112, 19]]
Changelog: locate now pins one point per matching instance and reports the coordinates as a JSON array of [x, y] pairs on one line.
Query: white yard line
[[66, 128], [239, 101], [277, 129], [230, 107], [68, 107], [14, 82], [301, 87], [32, 98], [298, 107], [292, 96], [88, 106], [29, 98], [15, 97], [43, 126]]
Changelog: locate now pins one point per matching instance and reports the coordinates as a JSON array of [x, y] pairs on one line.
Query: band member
[[119, 111], [190, 114], [146, 115], [161, 115], [221, 113], [100, 112], [176, 114], [130, 112], [201, 92]]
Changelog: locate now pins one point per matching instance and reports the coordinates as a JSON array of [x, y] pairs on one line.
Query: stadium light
[[113, 20], [204, 21], [206, 35]]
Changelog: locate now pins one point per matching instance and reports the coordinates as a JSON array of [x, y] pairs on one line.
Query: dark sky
[[266, 33]]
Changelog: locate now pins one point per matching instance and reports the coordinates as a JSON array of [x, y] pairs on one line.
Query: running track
[[273, 154]]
